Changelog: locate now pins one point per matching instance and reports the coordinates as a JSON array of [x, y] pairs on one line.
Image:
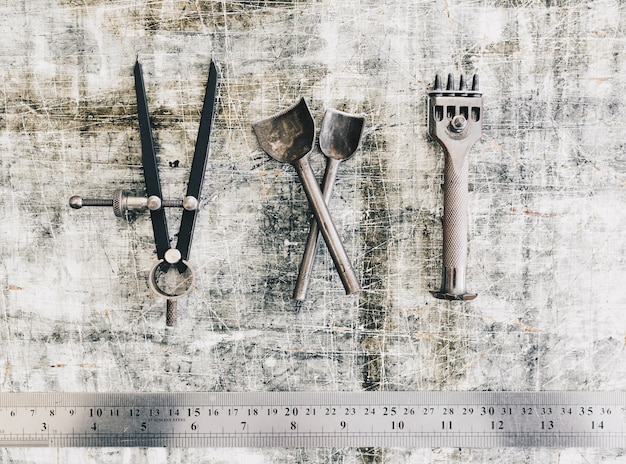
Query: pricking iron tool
[[172, 276], [455, 121]]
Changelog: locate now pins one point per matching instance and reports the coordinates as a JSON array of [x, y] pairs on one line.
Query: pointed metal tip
[[437, 82], [475, 82], [213, 76], [462, 84], [450, 84]]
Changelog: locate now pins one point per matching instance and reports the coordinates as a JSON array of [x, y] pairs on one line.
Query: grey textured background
[[547, 180]]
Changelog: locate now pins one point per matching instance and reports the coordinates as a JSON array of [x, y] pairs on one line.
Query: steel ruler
[[315, 419]]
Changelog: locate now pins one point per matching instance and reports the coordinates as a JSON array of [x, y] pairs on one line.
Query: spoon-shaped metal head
[[340, 134], [289, 135]]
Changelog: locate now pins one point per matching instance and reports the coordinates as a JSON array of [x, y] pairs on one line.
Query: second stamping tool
[[455, 121]]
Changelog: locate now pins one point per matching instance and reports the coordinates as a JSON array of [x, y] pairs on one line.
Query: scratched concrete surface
[[547, 180]]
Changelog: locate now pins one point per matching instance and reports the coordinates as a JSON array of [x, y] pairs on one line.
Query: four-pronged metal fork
[[455, 121]]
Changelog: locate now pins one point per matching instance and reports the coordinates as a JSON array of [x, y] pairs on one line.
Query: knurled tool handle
[[455, 219], [171, 312]]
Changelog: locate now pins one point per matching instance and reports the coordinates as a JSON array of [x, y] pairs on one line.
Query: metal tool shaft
[[122, 202], [308, 258], [198, 164], [149, 162], [326, 225]]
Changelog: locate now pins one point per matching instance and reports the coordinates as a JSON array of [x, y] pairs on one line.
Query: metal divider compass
[[172, 276]]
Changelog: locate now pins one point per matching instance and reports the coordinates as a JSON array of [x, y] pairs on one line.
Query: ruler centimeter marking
[[314, 419]]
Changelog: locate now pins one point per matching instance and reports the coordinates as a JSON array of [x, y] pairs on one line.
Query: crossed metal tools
[[289, 137], [172, 276]]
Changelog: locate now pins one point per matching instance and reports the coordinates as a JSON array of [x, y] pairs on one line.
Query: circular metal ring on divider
[[168, 281]]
